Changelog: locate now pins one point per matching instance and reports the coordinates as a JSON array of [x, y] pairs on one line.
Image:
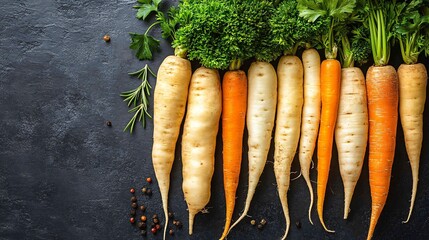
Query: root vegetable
[[330, 77], [261, 110], [382, 90], [199, 139], [234, 99], [412, 97], [288, 121], [170, 97], [310, 116], [351, 132]]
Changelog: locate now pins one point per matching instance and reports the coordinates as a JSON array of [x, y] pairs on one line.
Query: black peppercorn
[[109, 123], [133, 213], [141, 225], [260, 226], [171, 232], [133, 199], [170, 215], [149, 192], [142, 208], [134, 205], [156, 220], [143, 232], [155, 216]]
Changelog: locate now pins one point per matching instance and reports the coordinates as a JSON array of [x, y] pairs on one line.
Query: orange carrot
[[330, 77], [234, 101], [383, 94], [382, 90]]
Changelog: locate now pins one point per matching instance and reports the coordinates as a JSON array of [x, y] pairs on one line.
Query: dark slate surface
[[65, 175]]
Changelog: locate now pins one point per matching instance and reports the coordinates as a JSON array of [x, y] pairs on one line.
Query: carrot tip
[[326, 229]]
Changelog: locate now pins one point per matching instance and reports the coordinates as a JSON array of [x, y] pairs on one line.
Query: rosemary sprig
[[138, 97]]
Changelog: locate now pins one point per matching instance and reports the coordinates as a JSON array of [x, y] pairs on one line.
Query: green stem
[[401, 45], [346, 52], [330, 48], [372, 35], [180, 52], [235, 64], [293, 50], [151, 26], [385, 45], [379, 37]]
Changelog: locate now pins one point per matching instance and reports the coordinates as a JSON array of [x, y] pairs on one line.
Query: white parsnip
[[351, 131], [412, 97], [171, 93], [310, 116], [288, 122], [261, 110], [199, 139]]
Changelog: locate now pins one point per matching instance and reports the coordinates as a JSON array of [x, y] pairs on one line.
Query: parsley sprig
[[411, 21], [138, 98], [145, 44], [337, 11]]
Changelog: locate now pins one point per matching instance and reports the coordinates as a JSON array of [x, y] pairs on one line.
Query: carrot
[[288, 121], [261, 110], [171, 92], [412, 97], [199, 139], [382, 88], [330, 76], [351, 132], [310, 116], [382, 92], [234, 99]]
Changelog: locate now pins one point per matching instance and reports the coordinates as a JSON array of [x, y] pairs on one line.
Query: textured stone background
[[65, 175]]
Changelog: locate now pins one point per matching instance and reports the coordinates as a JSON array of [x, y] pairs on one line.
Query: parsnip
[[351, 131], [310, 116], [288, 121], [261, 110], [171, 93], [199, 139], [412, 98]]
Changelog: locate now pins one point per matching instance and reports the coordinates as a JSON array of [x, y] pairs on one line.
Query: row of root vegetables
[[303, 105]]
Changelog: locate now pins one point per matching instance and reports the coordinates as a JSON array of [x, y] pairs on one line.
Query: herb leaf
[[144, 45], [408, 29], [138, 98], [145, 10], [168, 23], [144, 1], [337, 11], [289, 30]]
